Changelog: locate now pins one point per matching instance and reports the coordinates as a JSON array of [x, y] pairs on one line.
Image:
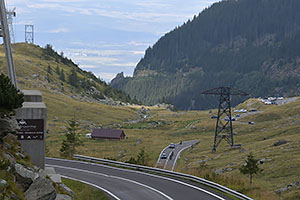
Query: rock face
[[41, 189], [7, 125], [117, 79], [25, 177]]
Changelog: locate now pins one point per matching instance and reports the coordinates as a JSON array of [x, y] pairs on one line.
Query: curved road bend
[[131, 185], [170, 162]]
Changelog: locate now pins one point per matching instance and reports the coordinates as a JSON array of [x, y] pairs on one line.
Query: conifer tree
[[72, 140], [49, 70], [10, 97], [250, 167], [62, 75], [57, 70]]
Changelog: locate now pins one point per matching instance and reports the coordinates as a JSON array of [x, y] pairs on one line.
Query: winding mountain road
[[170, 162], [129, 184]]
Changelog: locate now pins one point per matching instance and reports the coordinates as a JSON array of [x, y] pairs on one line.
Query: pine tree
[[49, 70], [250, 167], [73, 78], [62, 75], [10, 97], [71, 141], [57, 70]]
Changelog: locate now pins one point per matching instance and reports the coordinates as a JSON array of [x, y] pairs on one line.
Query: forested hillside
[[38, 68], [252, 45]]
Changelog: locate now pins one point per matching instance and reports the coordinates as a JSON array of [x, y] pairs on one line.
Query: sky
[[105, 37]]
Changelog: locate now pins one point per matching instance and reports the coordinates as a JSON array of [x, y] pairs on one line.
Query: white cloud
[[59, 30], [88, 66]]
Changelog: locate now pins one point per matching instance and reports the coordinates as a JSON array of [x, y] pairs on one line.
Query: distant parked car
[[251, 123], [213, 117], [163, 156], [88, 135], [172, 146], [237, 115], [252, 110]]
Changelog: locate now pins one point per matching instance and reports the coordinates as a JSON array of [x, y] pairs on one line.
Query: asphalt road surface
[[170, 162], [131, 185]]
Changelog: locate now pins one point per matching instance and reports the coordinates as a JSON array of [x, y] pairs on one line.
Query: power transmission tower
[[10, 15], [224, 120], [29, 36], [7, 45]]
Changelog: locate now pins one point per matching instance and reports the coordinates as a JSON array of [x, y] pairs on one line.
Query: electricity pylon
[[10, 14], [224, 120]]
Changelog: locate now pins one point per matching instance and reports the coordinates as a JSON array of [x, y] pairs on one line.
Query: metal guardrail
[[166, 172]]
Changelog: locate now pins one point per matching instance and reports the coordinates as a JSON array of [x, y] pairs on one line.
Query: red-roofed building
[[101, 133]]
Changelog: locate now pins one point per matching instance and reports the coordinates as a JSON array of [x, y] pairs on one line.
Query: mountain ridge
[[249, 45]]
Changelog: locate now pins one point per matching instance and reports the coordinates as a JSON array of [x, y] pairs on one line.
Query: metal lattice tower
[[4, 33], [29, 34], [10, 15], [224, 120]]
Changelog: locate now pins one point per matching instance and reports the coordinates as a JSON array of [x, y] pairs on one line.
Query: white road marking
[[178, 154], [116, 177], [160, 155], [146, 174], [96, 186]]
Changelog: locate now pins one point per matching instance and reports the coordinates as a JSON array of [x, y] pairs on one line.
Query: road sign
[[30, 129]]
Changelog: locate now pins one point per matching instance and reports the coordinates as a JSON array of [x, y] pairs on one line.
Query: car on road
[[214, 117], [172, 146], [251, 123], [163, 156]]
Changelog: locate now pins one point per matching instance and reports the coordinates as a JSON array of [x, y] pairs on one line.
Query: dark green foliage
[[57, 70], [252, 45], [49, 70], [73, 78], [71, 141], [62, 75], [250, 167], [82, 84], [140, 160], [10, 97], [132, 160]]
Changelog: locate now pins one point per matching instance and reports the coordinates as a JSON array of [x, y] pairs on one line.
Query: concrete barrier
[[32, 119]]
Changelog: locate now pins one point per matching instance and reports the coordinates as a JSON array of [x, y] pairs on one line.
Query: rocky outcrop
[[41, 189], [8, 124], [117, 79], [20, 175]]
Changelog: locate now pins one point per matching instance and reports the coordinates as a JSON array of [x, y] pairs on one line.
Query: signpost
[[32, 120], [30, 129]]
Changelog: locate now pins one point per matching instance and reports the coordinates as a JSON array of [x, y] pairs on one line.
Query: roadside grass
[[84, 191]]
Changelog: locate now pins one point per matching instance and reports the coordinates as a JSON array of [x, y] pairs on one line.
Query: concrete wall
[[34, 110]]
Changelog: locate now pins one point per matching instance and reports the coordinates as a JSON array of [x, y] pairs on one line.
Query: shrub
[[10, 97]]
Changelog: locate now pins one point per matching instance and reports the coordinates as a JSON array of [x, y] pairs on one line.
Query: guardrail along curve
[[166, 172]]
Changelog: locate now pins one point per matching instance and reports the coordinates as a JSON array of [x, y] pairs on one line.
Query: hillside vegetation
[[251, 45], [38, 67], [153, 128]]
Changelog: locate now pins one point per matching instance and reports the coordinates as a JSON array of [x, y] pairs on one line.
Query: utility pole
[[224, 120], [7, 44]]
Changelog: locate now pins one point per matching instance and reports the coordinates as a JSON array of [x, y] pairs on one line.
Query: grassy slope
[[84, 191], [275, 123]]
